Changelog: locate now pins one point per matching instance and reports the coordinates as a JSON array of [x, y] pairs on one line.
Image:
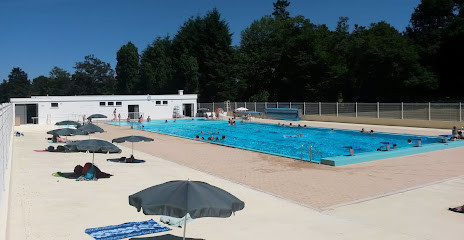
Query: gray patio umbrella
[[132, 139], [97, 116], [177, 198], [93, 146], [91, 128], [68, 122], [67, 132]]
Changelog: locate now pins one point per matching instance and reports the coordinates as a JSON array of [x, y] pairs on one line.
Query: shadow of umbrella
[[164, 237], [93, 146], [177, 198]]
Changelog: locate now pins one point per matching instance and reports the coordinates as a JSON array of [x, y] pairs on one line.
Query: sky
[[37, 35]]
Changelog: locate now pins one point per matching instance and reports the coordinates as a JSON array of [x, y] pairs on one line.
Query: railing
[[6, 133], [310, 151], [412, 111], [53, 118]]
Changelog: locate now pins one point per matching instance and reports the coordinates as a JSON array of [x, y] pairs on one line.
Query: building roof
[[93, 98]]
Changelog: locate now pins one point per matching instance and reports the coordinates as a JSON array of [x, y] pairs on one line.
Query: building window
[[118, 103], [110, 103], [165, 102], [54, 104], [158, 102], [102, 104]]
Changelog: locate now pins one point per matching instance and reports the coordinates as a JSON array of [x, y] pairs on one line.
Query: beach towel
[[176, 222], [126, 230], [69, 175]]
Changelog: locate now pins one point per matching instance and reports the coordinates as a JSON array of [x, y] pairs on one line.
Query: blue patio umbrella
[[93, 146], [96, 116], [132, 139], [179, 198], [68, 122], [67, 132], [91, 128]]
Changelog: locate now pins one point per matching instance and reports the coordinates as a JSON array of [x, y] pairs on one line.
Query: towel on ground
[[126, 230], [176, 222]]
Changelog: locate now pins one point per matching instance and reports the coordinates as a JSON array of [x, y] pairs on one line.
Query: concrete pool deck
[[398, 198]]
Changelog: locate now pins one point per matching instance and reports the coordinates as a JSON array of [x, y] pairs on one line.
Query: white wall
[[75, 107]]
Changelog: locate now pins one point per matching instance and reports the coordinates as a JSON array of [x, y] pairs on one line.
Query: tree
[[280, 9], [187, 74], [93, 76], [156, 67], [61, 82], [42, 86], [18, 84], [384, 66], [127, 69], [4, 92], [436, 29], [208, 40]]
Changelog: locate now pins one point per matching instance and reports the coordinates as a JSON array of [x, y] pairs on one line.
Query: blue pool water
[[277, 140]]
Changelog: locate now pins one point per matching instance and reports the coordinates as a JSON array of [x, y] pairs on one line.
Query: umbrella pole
[[93, 157], [132, 148], [185, 225]]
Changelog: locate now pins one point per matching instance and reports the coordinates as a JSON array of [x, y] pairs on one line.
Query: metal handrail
[[310, 151], [313, 147]]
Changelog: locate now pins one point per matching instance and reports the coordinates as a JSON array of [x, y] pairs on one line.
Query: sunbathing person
[[58, 139], [80, 172], [83, 170]]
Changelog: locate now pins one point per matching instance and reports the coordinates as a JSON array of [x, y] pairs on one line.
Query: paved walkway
[[314, 185], [46, 207]]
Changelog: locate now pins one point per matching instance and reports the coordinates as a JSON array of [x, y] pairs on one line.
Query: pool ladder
[[310, 150]]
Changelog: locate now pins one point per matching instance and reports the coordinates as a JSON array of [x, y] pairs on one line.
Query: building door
[[187, 110], [133, 111], [21, 113], [27, 113]]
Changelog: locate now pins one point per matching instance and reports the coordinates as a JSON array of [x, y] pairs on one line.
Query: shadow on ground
[[118, 160]]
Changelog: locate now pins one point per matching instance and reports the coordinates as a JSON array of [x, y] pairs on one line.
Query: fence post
[[378, 110], [245, 104], [255, 106], [235, 103], [198, 105], [290, 105], [337, 109], [356, 109], [265, 105], [402, 113], [460, 112], [304, 108], [429, 113], [213, 107], [277, 104], [320, 108]]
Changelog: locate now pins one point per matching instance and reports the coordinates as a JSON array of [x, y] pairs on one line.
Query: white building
[[52, 109]]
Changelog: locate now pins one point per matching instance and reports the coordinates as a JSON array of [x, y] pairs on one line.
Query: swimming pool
[[283, 141]]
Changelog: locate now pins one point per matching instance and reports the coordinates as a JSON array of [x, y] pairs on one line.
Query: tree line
[[280, 58]]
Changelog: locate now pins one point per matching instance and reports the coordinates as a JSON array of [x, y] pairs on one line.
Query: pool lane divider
[[399, 152]]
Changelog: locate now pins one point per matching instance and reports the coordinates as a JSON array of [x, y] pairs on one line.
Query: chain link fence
[[412, 111], [6, 132]]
